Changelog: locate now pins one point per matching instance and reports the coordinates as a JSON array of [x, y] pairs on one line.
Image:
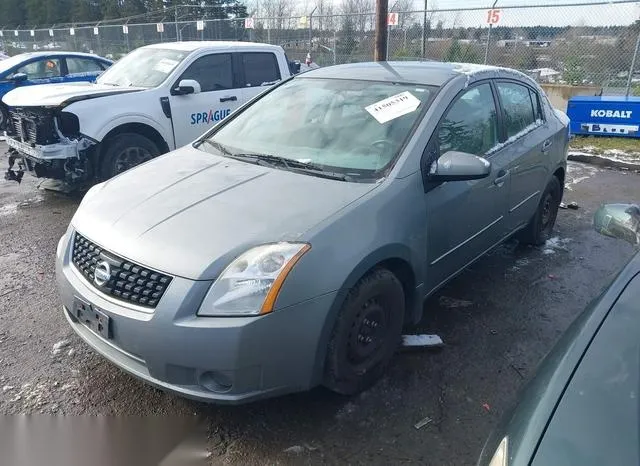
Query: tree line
[[42, 13]]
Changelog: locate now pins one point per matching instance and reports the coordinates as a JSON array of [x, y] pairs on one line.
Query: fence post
[[311, 28], [633, 66], [424, 31], [175, 15], [486, 51]]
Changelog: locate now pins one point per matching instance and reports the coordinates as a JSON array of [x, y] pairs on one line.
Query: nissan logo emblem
[[102, 273]]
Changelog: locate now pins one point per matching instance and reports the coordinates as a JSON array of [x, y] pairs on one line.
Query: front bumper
[[44, 152], [215, 359]]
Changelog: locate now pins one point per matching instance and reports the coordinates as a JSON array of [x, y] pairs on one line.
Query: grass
[[599, 145]]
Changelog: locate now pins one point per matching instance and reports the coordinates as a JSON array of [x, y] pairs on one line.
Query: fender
[[134, 118], [387, 252]]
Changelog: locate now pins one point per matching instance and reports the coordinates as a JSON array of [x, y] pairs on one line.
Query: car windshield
[[8, 63], [350, 127], [144, 67]]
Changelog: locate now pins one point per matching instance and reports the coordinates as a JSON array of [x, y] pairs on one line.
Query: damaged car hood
[[50, 95], [189, 213]]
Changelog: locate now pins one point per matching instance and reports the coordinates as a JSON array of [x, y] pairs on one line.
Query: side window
[[470, 125], [537, 105], [260, 68], [517, 106], [41, 69], [77, 65], [214, 72]]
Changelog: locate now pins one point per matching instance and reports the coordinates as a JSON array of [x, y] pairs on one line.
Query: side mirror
[[19, 77], [619, 221], [459, 166], [187, 86]]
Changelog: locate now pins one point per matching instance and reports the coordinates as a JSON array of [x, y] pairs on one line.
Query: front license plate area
[[93, 318]]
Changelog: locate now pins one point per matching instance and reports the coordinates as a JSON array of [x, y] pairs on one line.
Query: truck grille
[[128, 281], [33, 126]]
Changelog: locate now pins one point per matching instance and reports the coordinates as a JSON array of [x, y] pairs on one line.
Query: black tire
[[541, 224], [124, 151], [366, 334], [4, 117]]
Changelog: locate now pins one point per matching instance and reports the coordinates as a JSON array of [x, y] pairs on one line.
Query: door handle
[[547, 145], [502, 176], [227, 99]]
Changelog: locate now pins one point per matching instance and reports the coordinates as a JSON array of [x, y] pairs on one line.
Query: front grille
[[129, 282], [33, 126]]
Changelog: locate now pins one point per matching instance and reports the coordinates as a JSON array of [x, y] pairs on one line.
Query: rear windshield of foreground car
[[351, 127], [143, 68]]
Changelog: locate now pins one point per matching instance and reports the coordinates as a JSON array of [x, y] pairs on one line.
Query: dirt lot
[[497, 320]]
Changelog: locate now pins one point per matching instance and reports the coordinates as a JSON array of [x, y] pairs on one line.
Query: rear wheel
[[125, 151], [541, 224], [366, 333]]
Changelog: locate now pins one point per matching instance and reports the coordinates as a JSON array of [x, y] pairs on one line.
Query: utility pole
[[382, 11], [424, 31], [633, 66]]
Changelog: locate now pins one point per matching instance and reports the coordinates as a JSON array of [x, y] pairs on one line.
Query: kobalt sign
[[611, 113]]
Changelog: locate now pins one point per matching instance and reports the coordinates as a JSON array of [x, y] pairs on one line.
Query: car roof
[[429, 73], [57, 53], [191, 46]]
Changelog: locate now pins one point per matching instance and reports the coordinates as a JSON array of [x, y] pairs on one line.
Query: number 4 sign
[[493, 16], [392, 19]]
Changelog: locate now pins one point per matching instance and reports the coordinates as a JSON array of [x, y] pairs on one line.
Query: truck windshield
[[348, 127], [145, 67]]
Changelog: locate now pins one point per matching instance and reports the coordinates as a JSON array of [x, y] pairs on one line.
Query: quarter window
[[470, 125], [213, 72], [260, 68], [517, 106]]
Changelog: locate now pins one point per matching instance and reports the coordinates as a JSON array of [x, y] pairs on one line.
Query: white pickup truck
[[155, 99]]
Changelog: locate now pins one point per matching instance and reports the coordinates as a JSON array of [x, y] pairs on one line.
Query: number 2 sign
[[493, 16]]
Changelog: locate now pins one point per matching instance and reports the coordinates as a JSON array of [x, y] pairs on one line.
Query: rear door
[[258, 71], [221, 93], [82, 69], [530, 142]]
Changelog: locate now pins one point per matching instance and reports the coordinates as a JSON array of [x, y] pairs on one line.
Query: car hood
[[51, 95], [597, 420], [189, 213]]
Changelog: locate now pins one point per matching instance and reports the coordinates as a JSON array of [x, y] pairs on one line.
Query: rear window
[[260, 68]]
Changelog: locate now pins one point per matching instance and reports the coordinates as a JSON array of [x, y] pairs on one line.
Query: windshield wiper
[[216, 145], [291, 164]]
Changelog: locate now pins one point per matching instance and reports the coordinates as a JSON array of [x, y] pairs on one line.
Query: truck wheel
[[366, 333], [541, 224], [4, 117], [125, 151]]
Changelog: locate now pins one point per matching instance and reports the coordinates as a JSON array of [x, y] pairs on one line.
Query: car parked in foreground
[[582, 406], [46, 68], [155, 99], [290, 245]]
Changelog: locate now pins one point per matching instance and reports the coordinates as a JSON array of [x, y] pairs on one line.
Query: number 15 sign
[[493, 16]]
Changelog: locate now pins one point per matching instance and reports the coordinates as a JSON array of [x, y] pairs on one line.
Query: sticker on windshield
[[393, 107], [165, 65]]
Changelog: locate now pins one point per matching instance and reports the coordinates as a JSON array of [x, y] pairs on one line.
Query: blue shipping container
[[605, 115]]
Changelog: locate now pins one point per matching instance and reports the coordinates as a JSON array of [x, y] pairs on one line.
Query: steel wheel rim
[[367, 335], [130, 157]]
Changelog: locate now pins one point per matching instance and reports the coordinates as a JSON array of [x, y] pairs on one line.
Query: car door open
[[208, 95]]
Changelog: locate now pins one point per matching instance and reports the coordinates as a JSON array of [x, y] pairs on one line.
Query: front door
[[194, 114], [41, 71], [465, 218]]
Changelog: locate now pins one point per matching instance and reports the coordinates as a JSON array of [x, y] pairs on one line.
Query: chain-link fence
[[589, 44]]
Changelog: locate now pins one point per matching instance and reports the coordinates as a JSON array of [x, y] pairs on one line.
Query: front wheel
[[366, 333], [125, 151], [541, 225]]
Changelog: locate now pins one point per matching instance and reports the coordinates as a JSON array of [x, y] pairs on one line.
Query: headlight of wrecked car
[[250, 285]]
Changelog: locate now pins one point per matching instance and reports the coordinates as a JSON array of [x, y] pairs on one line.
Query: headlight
[[250, 285], [500, 457]]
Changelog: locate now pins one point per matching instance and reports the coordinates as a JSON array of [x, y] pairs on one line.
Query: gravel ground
[[497, 320]]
